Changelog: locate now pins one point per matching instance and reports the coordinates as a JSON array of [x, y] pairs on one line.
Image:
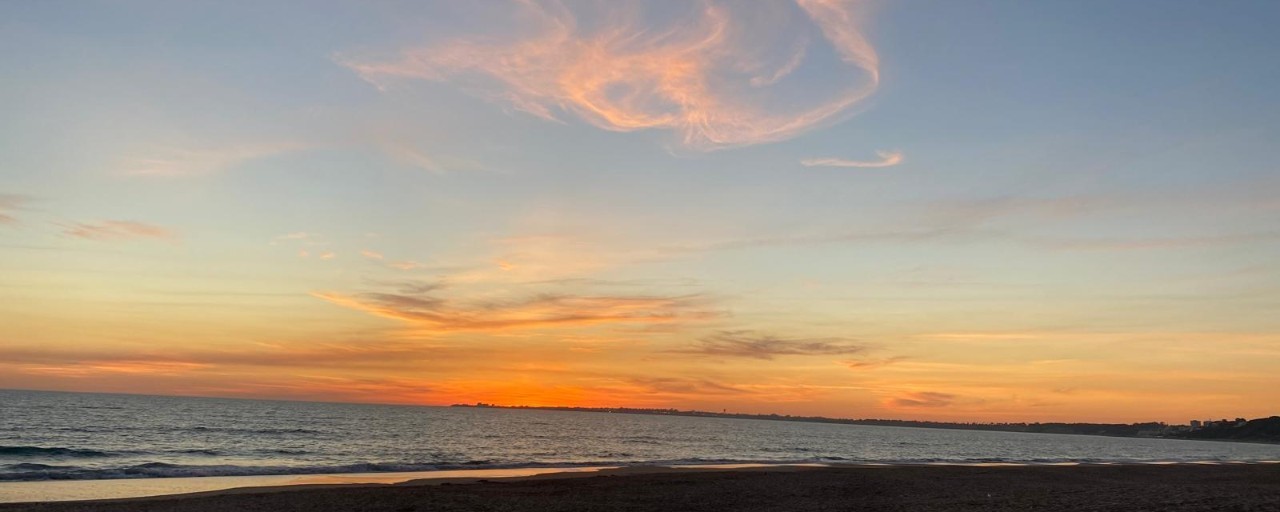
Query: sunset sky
[[978, 211]]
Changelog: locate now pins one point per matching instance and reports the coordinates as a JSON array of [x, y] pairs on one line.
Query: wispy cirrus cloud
[[304, 240], [405, 265], [1144, 243], [411, 156], [10, 203], [1015, 220], [887, 159], [685, 386], [432, 310], [297, 235], [751, 344], [920, 399], [962, 220], [543, 257], [990, 220], [198, 161], [715, 73], [868, 364], [371, 354], [119, 230]]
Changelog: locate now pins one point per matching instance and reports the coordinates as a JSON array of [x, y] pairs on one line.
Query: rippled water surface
[[45, 435]]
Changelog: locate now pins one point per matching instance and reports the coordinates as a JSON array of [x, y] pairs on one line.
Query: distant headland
[[1264, 430]]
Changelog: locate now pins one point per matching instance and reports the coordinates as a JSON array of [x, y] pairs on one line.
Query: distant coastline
[[1259, 430]]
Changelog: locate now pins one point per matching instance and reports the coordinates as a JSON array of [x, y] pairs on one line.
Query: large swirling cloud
[[718, 75]]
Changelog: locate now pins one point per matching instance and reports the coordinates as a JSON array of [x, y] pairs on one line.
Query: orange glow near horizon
[[902, 388]]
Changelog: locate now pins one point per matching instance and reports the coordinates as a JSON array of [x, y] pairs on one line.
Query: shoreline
[[1172, 487], [128, 489]]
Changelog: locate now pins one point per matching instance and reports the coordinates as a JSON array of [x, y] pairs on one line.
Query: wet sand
[[889, 488]]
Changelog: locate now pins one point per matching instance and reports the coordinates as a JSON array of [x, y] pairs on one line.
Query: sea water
[[81, 436]]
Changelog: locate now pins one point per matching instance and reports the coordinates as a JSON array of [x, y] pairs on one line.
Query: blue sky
[[1037, 209]]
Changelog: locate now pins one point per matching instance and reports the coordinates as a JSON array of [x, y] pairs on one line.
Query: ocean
[[80, 436]]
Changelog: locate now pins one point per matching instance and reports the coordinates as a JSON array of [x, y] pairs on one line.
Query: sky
[[970, 211]]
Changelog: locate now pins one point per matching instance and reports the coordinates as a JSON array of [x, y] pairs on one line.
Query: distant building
[[1195, 424]]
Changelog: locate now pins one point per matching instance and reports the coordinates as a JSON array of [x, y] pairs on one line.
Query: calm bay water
[[49, 436]]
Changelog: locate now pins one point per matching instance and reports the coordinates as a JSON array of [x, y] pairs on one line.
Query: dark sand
[[897, 488]]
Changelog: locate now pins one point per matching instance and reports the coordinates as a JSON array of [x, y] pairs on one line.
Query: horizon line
[[591, 409]]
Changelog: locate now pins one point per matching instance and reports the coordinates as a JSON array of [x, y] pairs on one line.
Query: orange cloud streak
[[543, 311], [118, 230]]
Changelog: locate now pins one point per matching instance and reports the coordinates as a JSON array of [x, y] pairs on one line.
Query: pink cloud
[[119, 230], [10, 203], [714, 75], [887, 159], [196, 161]]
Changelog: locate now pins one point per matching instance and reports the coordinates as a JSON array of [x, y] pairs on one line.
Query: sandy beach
[[887, 488]]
